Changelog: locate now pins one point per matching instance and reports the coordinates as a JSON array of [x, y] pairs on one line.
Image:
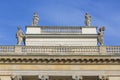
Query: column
[[77, 77], [43, 77]]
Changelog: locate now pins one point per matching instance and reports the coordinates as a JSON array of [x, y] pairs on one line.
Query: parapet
[[61, 36], [61, 30]]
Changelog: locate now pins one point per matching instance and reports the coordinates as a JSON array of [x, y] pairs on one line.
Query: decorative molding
[[61, 26], [110, 73], [62, 60], [89, 36]]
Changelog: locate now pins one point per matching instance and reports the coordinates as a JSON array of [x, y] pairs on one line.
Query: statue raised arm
[[87, 19], [35, 19], [20, 36]]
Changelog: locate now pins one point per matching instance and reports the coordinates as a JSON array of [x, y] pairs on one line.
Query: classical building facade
[[60, 53]]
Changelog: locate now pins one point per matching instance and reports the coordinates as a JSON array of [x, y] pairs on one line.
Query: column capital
[[43, 77], [104, 77], [16, 77], [77, 77]]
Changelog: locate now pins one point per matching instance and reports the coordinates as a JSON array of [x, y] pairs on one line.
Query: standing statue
[[35, 19], [87, 19], [20, 36], [101, 36]]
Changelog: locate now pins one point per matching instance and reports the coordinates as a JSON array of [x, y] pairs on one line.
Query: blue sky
[[15, 13]]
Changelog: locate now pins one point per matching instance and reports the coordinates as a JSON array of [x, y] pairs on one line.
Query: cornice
[[61, 60], [61, 27]]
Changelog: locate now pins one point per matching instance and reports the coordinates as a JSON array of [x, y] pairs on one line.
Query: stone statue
[[20, 36], [35, 19], [101, 36], [87, 19]]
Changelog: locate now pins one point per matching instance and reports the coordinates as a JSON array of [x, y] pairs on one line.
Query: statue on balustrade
[[101, 36], [35, 19], [87, 19], [20, 36]]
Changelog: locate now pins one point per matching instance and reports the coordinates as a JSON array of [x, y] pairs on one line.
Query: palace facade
[[60, 53]]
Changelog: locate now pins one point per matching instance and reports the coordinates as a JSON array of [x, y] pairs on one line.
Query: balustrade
[[61, 50], [7, 49], [61, 30], [113, 50]]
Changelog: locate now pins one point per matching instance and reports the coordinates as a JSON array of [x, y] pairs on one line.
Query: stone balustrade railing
[[57, 29], [60, 50], [7, 49]]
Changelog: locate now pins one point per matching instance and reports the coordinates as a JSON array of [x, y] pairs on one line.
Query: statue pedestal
[[89, 30]]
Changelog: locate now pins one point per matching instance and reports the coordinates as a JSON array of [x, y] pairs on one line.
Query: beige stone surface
[[60, 67], [5, 78], [114, 78], [86, 30], [33, 30], [61, 42]]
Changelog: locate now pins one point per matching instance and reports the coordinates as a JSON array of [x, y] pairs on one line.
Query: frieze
[[76, 60]]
